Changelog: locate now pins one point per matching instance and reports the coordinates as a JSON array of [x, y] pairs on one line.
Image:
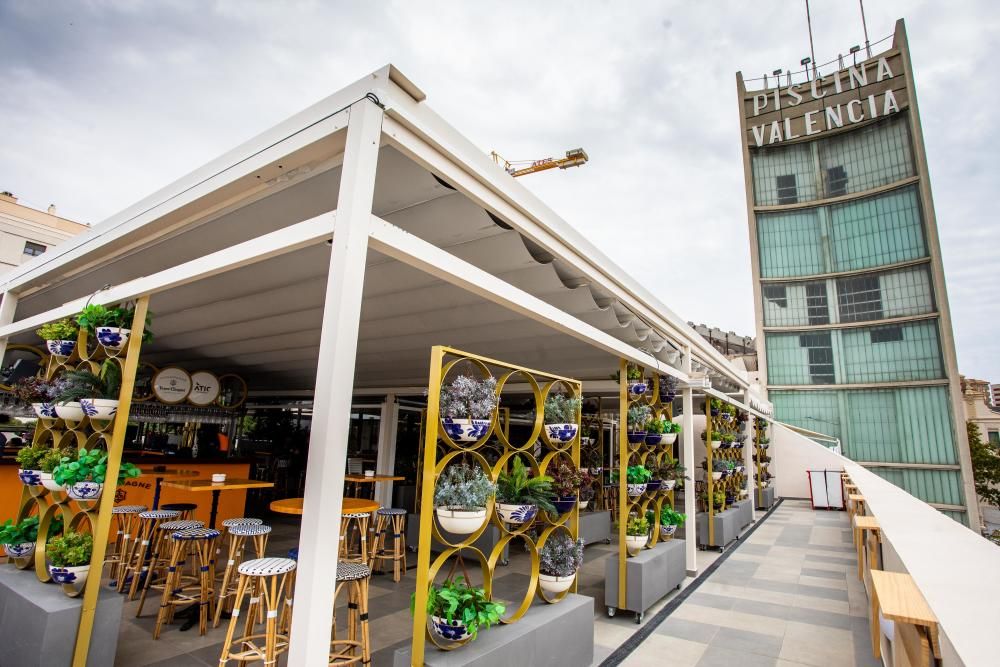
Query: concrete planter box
[[549, 635], [727, 528], [764, 498], [745, 509], [649, 577], [595, 527]]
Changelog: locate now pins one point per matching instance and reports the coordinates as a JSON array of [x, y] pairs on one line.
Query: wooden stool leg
[[366, 656], [173, 576], [141, 552], [206, 549], [235, 546], [159, 545], [241, 587], [270, 626], [398, 553]]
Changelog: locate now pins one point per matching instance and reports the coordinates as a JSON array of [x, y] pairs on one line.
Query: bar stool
[[226, 524], [238, 534], [265, 580], [343, 652], [160, 554], [395, 519], [285, 621], [126, 518], [136, 563], [347, 552], [180, 590], [184, 508]]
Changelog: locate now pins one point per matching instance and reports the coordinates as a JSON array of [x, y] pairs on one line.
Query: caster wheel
[[607, 540], [639, 617], [505, 562], [611, 611]]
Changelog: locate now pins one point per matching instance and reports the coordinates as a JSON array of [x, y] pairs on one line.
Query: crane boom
[[574, 158]]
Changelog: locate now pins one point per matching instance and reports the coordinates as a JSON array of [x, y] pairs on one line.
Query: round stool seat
[[263, 567], [180, 507], [184, 524], [249, 529], [391, 511], [352, 571], [128, 509], [196, 534], [159, 514], [293, 553], [356, 515], [229, 523]]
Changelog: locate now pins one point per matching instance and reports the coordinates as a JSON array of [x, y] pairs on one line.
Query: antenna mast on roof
[[812, 50], [864, 24]]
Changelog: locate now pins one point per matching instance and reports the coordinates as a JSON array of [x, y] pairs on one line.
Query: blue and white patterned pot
[[565, 504], [636, 437], [70, 575], [85, 490], [61, 348], [50, 483], [103, 409], [453, 631], [638, 388], [113, 338], [465, 430], [668, 484], [30, 477], [667, 532], [516, 514], [44, 410], [71, 411], [22, 550], [558, 434], [636, 490]]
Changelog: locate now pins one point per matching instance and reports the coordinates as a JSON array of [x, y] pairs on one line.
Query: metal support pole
[[687, 435], [7, 309], [749, 481], [320, 535]]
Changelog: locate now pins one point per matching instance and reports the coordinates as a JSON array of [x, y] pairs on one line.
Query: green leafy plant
[[64, 329], [727, 438], [985, 466], [634, 374], [715, 404], [457, 601], [96, 315], [463, 487], [566, 479], [638, 474], [670, 517], [672, 427], [52, 458], [638, 416], [560, 409], [517, 488], [672, 469], [637, 526], [18, 533], [77, 384], [656, 426], [89, 465], [70, 549], [29, 456]]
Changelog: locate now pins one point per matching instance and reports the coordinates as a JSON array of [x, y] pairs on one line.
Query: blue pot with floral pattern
[[85, 490], [653, 485], [465, 430], [30, 477], [70, 575], [61, 348], [560, 434], [516, 513], [21, 550], [44, 410], [452, 631], [638, 388], [113, 338]]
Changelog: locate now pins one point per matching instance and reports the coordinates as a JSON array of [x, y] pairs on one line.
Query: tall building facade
[[854, 334], [26, 232]]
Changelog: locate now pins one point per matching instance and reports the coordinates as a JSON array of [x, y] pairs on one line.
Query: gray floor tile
[[839, 560], [748, 642], [690, 630], [764, 608], [754, 549], [710, 600], [826, 574], [718, 656]]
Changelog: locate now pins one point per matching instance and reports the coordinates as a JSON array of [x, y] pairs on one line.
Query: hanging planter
[[460, 521], [467, 405], [559, 560], [452, 631], [519, 496], [108, 325], [59, 337], [84, 490], [560, 419], [460, 498]]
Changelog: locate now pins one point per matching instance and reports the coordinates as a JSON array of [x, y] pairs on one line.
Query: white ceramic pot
[[582, 504], [44, 410], [50, 483], [70, 575], [635, 543], [667, 532], [30, 477], [461, 522], [560, 434], [71, 411], [668, 484], [60, 348], [669, 438], [553, 584], [113, 338], [22, 550], [103, 409], [636, 490], [716, 476], [465, 430], [85, 490], [516, 514], [716, 444]]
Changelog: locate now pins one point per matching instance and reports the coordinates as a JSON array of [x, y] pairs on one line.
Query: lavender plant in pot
[[467, 405], [561, 558], [461, 496], [566, 480], [637, 418], [27, 463], [59, 337], [560, 418], [38, 393]]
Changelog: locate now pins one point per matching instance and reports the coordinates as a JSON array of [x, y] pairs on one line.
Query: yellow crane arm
[[574, 158]]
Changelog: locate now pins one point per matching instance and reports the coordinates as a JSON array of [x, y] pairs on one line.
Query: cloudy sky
[[104, 102]]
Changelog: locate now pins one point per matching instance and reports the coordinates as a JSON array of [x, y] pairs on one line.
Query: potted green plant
[[27, 463], [69, 557], [714, 407], [519, 497], [81, 393], [82, 473], [636, 478], [716, 438], [720, 469], [669, 521], [109, 325], [727, 440], [18, 539], [587, 490], [636, 534], [38, 393], [467, 406], [636, 418], [461, 496], [458, 610], [566, 480], [670, 472], [560, 558], [637, 386], [561, 418], [59, 337], [47, 464]]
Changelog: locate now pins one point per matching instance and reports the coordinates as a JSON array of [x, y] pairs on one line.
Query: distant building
[[26, 232], [995, 395], [976, 401]]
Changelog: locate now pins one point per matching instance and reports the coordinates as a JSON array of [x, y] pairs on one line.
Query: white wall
[[792, 455]]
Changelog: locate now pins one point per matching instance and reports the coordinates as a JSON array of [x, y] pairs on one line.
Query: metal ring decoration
[[438, 563], [536, 430], [243, 393], [442, 433]]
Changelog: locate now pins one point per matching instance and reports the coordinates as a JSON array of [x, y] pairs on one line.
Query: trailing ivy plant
[[463, 487], [561, 555], [517, 488], [457, 601], [89, 465], [70, 549], [560, 409]]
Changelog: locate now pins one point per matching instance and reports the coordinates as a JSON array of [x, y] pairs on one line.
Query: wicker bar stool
[[138, 558], [285, 620], [186, 509], [386, 520], [238, 535], [160, 555], [228, 523], [181, 590], [356, 648], [126, 520], [361, 522], [265, 580]]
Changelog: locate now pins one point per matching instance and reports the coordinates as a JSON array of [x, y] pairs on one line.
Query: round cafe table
[[350, 506]]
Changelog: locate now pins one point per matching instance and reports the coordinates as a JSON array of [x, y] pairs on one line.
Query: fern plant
[[517, 488], [77, 384]]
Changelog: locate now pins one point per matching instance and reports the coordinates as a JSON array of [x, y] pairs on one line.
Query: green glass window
[[893, 353], [795, 304], [876, 231], [790, 244]]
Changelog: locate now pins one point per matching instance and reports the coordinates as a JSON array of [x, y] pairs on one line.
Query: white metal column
[[386, 462], [320, 535], [8, 306], [748, 457], [690, 496]]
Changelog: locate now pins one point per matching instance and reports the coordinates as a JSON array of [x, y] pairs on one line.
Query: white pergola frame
[[382, 109]]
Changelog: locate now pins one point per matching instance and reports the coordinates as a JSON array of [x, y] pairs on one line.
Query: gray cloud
[[105, 102]]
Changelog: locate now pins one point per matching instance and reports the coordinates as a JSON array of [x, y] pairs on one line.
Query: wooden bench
[[915, 627]]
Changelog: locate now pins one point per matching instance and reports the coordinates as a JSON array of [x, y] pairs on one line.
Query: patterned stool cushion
[[262, 567], [196, 534], [357, 515], [128, 509], [180, 507], [159, 514], [352, 571], [229, 523], [183, 524], [391, 511], [249, 529], [293, 553]]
